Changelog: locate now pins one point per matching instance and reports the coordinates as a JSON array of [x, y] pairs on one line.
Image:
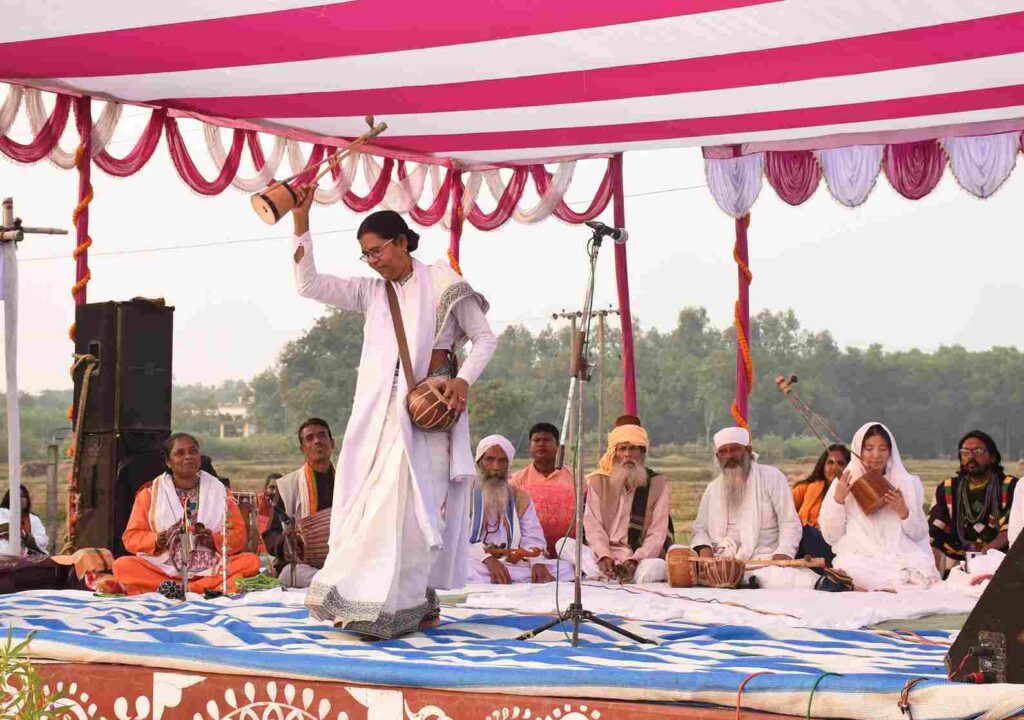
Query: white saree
[[400, 516]]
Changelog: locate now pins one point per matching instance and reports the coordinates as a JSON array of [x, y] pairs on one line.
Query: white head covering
[[732, 436], [501, 441]]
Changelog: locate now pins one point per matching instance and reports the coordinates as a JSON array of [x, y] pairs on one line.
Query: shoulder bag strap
[[403, 345]]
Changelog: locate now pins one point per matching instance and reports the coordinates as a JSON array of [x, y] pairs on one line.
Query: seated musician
[[971, 513], [808, 495], [887, 550], [506, 539], [301, 493], [33, 533], [550, 489], [747, 512], [183, 497], [626, 521]]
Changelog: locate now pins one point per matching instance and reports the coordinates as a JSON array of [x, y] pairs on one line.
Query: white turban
[[732, 436], [501, 441]]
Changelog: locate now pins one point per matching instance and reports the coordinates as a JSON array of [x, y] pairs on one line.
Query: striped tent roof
[[492, 81]]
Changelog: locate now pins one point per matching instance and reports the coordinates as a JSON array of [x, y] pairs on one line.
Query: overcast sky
[[942, 270]]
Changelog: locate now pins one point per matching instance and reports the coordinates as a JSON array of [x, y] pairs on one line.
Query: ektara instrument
[[279, 198], [869, 489], [315, 531]]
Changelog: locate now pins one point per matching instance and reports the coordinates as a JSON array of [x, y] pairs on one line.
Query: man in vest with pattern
[[299, 494], [506, 539], [627, 524]]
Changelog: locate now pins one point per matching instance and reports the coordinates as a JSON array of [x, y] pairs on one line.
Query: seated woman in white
[[889, 549], [1016, 519]]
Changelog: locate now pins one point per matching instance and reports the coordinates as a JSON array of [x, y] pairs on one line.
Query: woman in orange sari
[[808, 494]]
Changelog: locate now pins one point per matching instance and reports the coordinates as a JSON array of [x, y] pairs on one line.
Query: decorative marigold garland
[[742, 341]]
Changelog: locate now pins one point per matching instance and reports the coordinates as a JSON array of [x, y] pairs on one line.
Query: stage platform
[[240, 658]]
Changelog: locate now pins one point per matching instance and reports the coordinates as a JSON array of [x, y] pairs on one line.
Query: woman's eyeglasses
[[375, 253]]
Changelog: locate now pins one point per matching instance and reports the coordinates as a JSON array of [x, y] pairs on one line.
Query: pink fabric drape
[[432, 214], [316, 154], [83, 121], [48, 136], [144, 148], [622, 286], [793, 174], [455, 237], [914, 169], [506, 204], [187, 169], [542, 179], [376, 193], [259, 159]]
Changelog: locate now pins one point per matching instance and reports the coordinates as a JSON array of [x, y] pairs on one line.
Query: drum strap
[[403, 344], [638, 514]]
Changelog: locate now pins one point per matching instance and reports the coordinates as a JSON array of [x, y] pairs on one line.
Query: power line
[[221, 243]]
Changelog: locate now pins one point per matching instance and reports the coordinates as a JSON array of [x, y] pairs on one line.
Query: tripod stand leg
[[589, 616], [558, 620]]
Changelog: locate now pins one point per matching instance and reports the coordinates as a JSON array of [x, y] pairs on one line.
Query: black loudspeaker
[[990, 647], [113, 468], [130, 387]]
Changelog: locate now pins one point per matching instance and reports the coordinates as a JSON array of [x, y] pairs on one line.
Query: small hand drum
[[315, 531], [681, 572], [428, 410], [869, 491], [722, 572]]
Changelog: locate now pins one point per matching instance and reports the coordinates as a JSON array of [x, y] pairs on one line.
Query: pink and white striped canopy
[[499, 82]]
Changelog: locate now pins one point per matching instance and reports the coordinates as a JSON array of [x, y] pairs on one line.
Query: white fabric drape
[[215, 145], [335, 189], [9, 110], [102, 128], [851, 172], [735, 183], [559, 186], [982, 164], [401, 195], [9, 285]]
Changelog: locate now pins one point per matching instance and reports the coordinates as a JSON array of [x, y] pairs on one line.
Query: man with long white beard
[[747, 512], [506, 539], [626, 520]]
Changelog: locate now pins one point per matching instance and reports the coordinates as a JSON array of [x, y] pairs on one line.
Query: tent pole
[[622, 285], [80, 217], [744, 363]]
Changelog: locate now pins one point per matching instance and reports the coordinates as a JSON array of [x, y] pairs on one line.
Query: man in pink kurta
[[626, 520], [550, 489]]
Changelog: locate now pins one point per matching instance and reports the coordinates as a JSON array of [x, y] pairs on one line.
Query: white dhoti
[[385, 593], [647, 571]]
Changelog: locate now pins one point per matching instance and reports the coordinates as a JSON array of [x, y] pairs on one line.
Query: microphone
[[602, 230]]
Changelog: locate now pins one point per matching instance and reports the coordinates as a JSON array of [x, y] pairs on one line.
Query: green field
[[688, 470]]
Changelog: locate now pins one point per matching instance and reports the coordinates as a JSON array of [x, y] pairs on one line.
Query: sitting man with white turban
[[747, 512], [506, 539], [626, 522]]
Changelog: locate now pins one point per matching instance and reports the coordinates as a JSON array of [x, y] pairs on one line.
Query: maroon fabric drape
[[793, 174], [501, 214], [144, 148], [914, 169], [598, 204], [455, 234], [48, 136], [436, 210], [187, 169], [376, 193]]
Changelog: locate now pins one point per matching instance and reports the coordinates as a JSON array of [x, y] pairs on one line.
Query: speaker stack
[[127, 412]]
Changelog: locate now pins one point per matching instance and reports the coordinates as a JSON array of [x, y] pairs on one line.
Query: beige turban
[[632, 434], [732, 436], [501, 441]]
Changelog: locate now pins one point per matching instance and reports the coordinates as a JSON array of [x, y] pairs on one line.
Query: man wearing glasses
[[971, 513]]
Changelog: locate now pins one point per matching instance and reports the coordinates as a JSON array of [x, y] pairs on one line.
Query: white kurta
[[1016, 518], [880, 551], [766, 524], [37, 529], [525, 532], [400, 510]]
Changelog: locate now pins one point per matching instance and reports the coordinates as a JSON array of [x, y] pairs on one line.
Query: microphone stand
[[580, 374]]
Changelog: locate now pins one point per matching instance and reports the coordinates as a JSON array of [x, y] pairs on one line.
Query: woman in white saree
[[888, 550], [400, 514]]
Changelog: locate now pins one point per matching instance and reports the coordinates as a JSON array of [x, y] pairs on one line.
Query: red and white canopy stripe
[[489, 81]]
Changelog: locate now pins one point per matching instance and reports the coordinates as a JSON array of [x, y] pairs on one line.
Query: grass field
[[688, 471]]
